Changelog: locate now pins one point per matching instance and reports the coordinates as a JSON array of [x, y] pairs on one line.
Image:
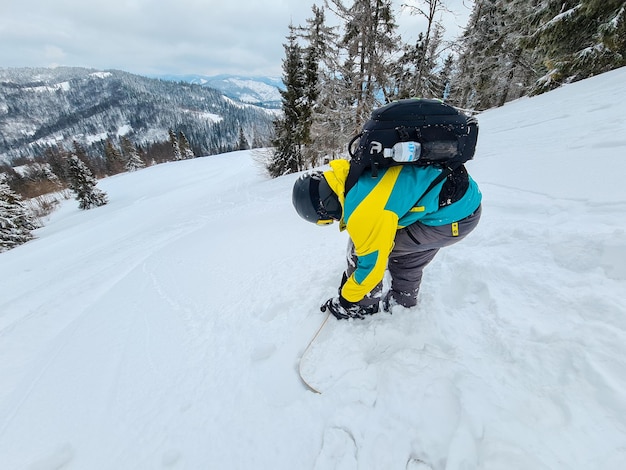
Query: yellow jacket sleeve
[[370, 225], [373, 243]]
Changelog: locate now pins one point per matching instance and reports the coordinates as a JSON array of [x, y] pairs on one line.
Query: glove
[[343, 309]]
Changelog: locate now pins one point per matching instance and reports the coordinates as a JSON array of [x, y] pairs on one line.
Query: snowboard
[[343, 353], [302, 364]]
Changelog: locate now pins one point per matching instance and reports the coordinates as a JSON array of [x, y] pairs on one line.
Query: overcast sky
[[150, 37]]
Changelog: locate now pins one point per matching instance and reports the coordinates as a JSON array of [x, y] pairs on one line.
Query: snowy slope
[[164, 329]]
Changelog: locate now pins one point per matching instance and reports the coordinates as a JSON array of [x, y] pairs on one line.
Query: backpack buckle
[[403, 134]]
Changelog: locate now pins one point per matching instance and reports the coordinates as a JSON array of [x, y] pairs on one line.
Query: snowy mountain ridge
[[260, 91], [47, 106], [164, 329]]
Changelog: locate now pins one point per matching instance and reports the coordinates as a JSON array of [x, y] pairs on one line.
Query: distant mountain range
[[260, 91], [56, 106]]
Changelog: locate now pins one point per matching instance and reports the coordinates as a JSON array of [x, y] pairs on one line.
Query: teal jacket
[[375, 208]]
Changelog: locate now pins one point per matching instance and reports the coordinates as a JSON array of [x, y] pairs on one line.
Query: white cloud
[[149, 36]]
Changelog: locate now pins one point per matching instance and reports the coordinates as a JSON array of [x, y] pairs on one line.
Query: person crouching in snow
[[395, 219]]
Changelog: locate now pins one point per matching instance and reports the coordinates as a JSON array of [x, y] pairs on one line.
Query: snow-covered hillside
[[57, 106], [164, 329], [260, 91]]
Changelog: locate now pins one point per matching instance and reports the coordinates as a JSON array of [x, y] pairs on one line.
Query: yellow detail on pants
[[455, 229]]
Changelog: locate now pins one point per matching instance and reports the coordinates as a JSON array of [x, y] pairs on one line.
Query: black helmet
[[314, 201]]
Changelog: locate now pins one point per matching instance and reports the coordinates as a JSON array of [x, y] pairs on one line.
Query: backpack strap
[[356, 170], [447, 171], [357, 165]]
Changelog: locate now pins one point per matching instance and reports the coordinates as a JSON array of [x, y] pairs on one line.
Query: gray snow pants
[[415, 246]]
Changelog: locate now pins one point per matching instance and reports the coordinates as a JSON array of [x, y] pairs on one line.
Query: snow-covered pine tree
[[494, 65], [445, 75], [242, 144], [576, 39], [369, 40], [113, 159], [310, 91], [288, 130], [175, 145], [133, 160], [329, 129], [415, 72], [83, 184], [402, 76], [16, 223], [422, 80], [516, 71], [516, 47], [54, 157], [96, 165], [185, 148]]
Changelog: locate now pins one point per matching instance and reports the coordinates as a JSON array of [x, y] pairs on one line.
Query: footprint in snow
[[417, 464], [263, 352], [338, 451]]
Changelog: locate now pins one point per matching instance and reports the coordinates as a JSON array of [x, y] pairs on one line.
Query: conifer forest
[[335, 76]]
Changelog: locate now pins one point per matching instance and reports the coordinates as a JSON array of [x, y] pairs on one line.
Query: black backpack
[[434, 132]]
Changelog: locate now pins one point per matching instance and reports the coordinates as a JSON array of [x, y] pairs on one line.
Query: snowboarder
[[387, 229]]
